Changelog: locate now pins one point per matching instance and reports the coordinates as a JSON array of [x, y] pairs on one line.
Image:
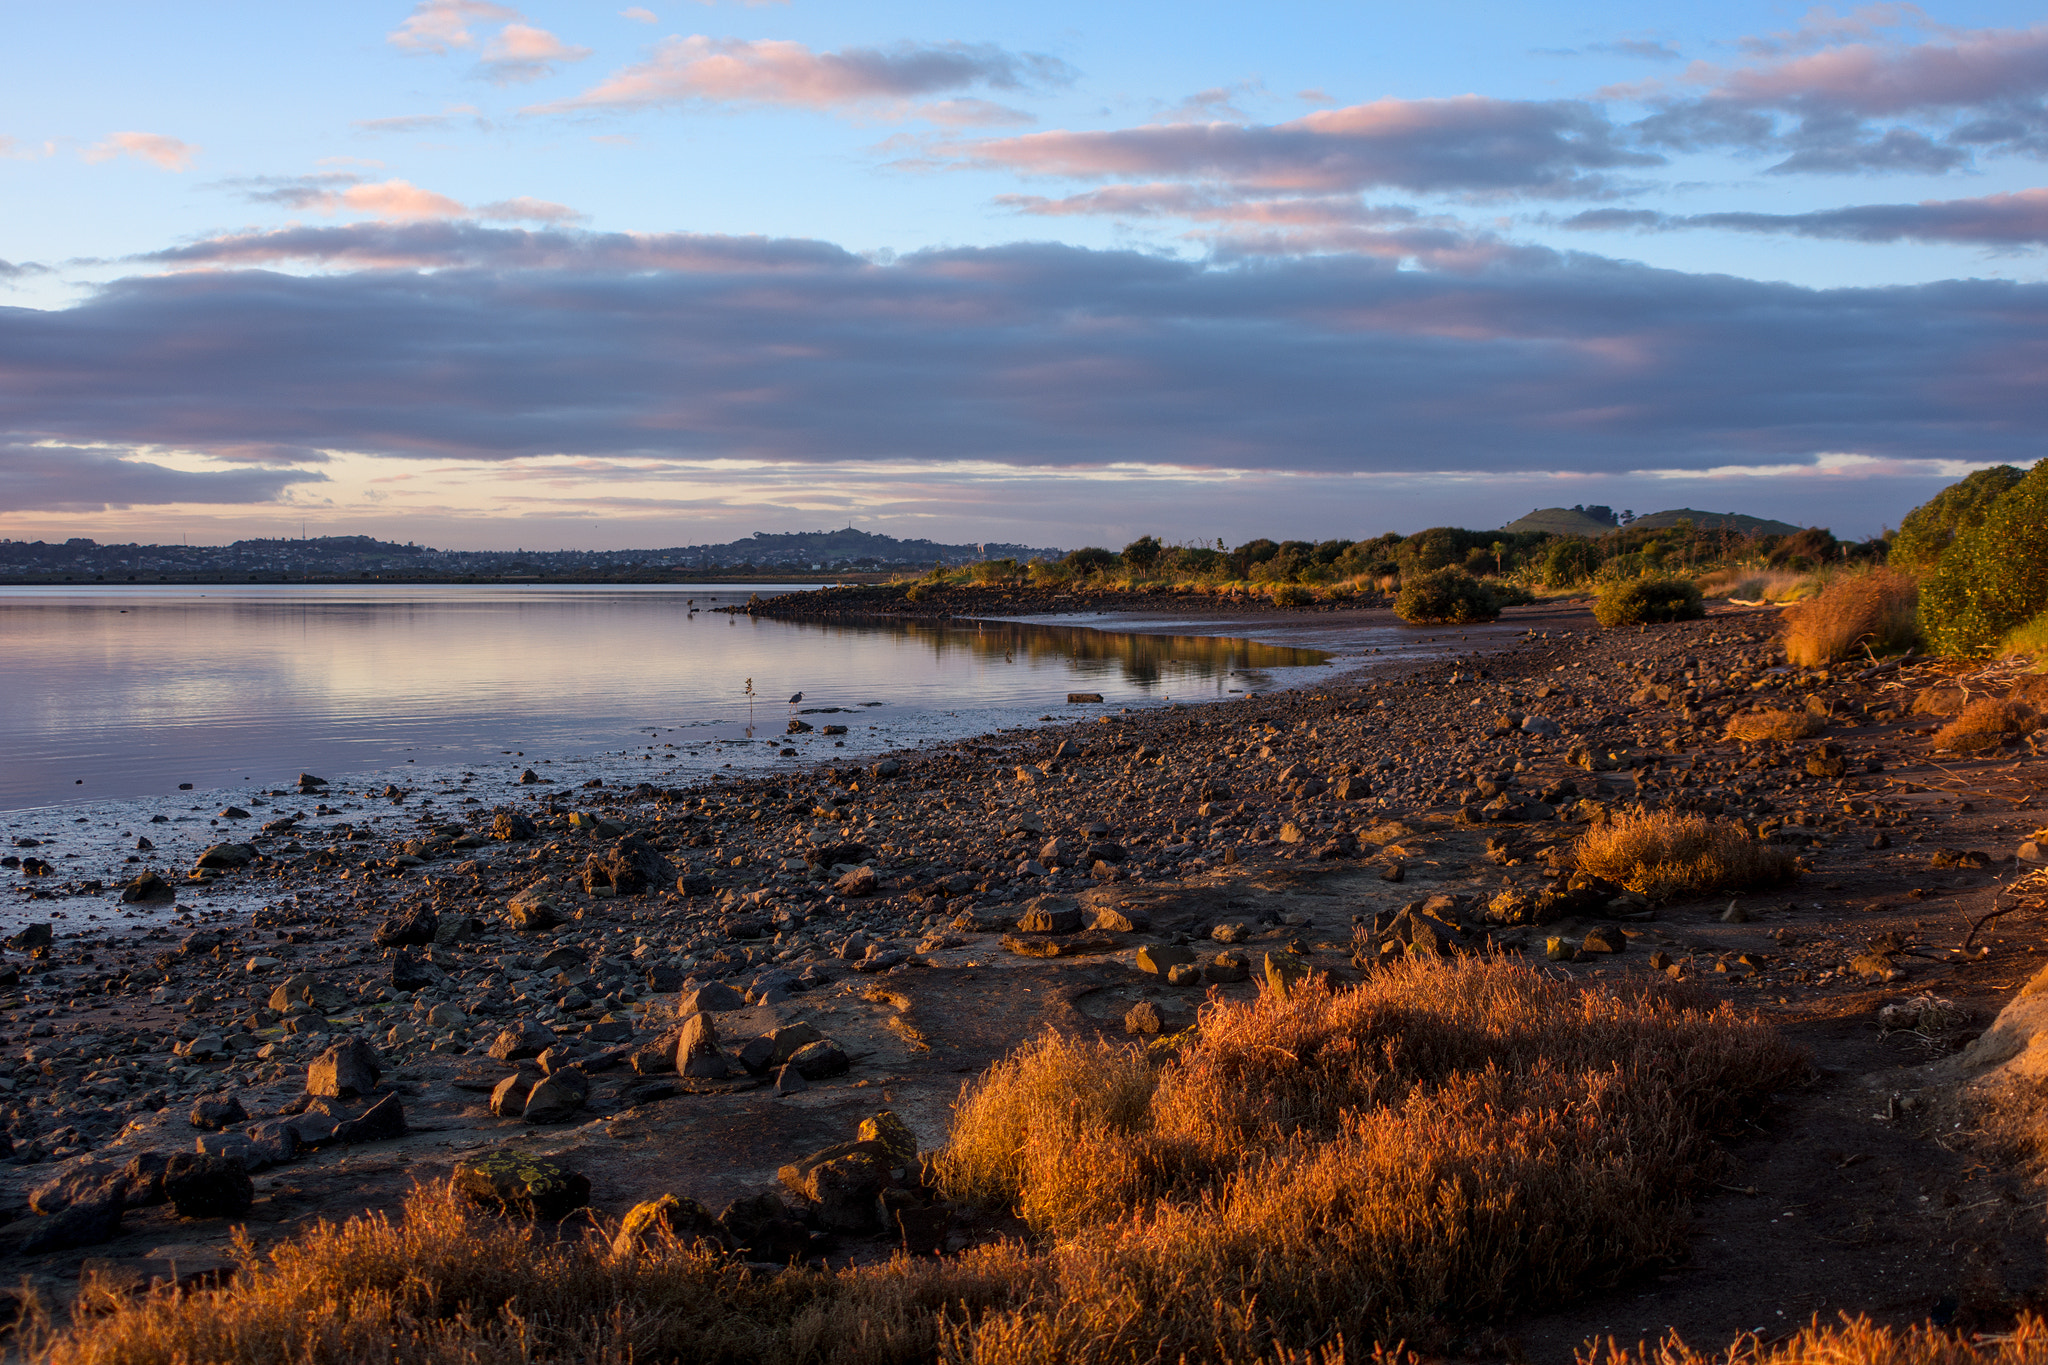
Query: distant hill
[[1718, 521], [1589, 521], [1562, 521]]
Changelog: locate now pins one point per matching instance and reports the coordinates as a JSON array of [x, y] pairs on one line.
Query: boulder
[[762, 1228], [532, 910], [556, 1099], [513, 1182], [222, 857], [215, 1112], [80, 1225], [842, 1181], [306, 993], [383, 1120], [410, 929], [511, 825], [820, 1061], [200, 1186], [698, 1055], [861, 882], [715, 998], [630, 867], [667, 1218], [348, 1069], [409, 973], [527, 1038], [1050, 915], [1159, 959], [30, 937], [508, 1097], [148, 889]]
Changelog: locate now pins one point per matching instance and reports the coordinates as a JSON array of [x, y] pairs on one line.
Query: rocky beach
[[571, 992]]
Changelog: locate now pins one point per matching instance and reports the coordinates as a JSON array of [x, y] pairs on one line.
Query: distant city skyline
[[589, 276]]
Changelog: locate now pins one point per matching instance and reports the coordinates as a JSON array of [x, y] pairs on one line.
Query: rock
[[305, 993], [1353, 789], [445, 1015], [1050, 915], [1734, 914], [1604, 938], [1284, 975], [267, 1144], [1059, 852], [886, 769], [88, 1182], [843, 1181], [1560, 949], [30, 937], [199, 1186], [790, 1081], [894, 1135], [508, 1097], [1159, 959], [859, 883], [409, 973], [1875, 965], [663, 978], [408, 930], [1143, 1019], [556, 1099], [513, 1182], [308, 780], [2032, 852], [148, 889], [698, 1054], [1231, 931], [1105, 852], [532, 911], [665, 1220], [1291, 833], [1542, 727], [527, 1038], [820, 1061], [382, 1120], [797, 727], [215, 1112], [511, 826], [762, 1229], [630, 867], [222, 857], [695, 884], [80, 1225], [1119, 920], [344, 1071], [715, 998], [656, 1057], [1226, 969], [1183, 974]]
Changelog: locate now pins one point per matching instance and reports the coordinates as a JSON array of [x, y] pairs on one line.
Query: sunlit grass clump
[[1448, 1143], [1666, 856]]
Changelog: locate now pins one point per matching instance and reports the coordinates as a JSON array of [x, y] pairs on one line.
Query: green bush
[[1506, 594], [1569, 561], [1292, 595], [1994, 576], [1640, 601], [1448, 596], [1932, 527]]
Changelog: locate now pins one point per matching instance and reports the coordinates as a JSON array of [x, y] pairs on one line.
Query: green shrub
[[1506, 594], [1932, 527], [1293, 595], [2027, 641], [1569, 561], [1643, 600], [1994, 576], [1448, 596]]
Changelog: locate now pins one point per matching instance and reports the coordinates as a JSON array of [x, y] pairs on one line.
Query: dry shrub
[[2028, 640], [1449, 1142], [1665, 856], [1858, 614], [1986, 722], [1754, 727], [1854, 1341], [1754, 585]]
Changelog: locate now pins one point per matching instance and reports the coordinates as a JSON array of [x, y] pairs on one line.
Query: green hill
[[1571, 521], [1718, 521]]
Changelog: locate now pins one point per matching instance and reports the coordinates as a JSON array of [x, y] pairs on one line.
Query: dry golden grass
[[1853, 1341], [1666, 856], [1450, 1142], [1985, 722], [1753, 727], [1855, 615]]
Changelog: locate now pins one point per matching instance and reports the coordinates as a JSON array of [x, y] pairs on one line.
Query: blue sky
[[477, 274]]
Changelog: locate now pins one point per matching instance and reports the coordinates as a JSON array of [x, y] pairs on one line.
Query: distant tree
[[1142, 553], [1090, 559]]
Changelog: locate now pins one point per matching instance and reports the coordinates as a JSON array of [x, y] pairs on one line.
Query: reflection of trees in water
[[1143, 658]]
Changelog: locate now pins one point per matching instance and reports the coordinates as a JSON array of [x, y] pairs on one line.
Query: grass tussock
[[2029, 641], [1987, 722], [1666, 856], [1757, 585], [1856, 614], [1852, 1341], [1755, 727], [1447, 1143]]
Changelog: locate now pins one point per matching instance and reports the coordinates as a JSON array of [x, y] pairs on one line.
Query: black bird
[[795, 699]]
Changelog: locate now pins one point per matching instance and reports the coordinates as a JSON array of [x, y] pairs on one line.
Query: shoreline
[[1176, 826]]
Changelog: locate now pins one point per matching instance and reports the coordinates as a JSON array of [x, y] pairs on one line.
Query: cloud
[[521, 52], [1643, 49], [395, 200], [55, 477], [522, 344], [639, 15], [2019, 219], [1879, 91], [1469, 145], [421, 123], [442, 26], [14, 270], [735, 71], [155, 148]]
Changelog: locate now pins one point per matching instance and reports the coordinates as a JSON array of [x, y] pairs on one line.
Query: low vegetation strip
[[1446, 1143]]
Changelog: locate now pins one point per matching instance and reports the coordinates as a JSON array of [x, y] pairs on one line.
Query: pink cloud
[[166, 152], [521, 52], [443, 25], [394, 199], [705, 70], [639, 15], [526, 209]]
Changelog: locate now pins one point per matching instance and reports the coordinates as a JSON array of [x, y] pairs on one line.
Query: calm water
[[107, 694]]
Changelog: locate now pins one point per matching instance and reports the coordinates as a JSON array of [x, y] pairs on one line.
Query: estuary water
[[112, 693]]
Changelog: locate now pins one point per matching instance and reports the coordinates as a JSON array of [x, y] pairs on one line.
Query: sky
[[479, 275]]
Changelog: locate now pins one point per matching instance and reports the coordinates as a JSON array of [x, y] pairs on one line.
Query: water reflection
[[1141, 659]]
